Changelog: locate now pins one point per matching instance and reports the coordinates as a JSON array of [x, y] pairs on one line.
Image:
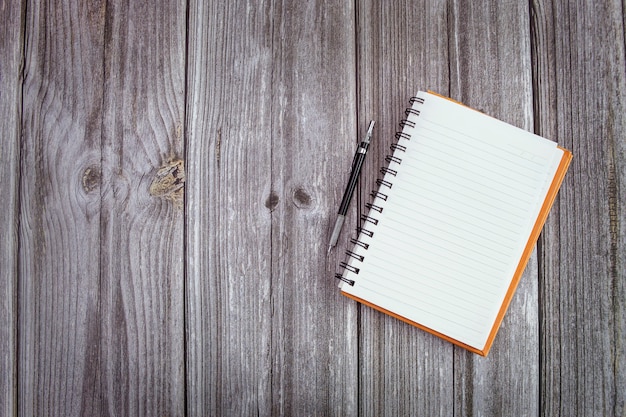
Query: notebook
[[454, 220]]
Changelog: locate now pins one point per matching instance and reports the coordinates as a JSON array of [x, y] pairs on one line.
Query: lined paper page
[[456, 220]]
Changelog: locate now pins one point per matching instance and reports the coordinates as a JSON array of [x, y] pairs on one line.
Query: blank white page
[[460, 211]]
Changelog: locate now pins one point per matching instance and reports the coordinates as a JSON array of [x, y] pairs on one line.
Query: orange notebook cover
[[454, 221]]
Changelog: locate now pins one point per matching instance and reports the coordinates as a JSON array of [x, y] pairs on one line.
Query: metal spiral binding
[[406, 122], [402, 135], [383, 182], [374, 207], [395, 146], [355, 255], [391, 158], [366, 218], [377, 194], [409, 112], [350, 268], [361, 244], [365, 231], [342, 278]]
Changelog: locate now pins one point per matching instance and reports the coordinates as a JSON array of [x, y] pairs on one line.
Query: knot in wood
[[169, 182], [272, 201], [91, 179], [301, 198]]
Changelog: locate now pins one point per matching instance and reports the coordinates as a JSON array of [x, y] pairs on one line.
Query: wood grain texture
[[229, 205], [490, 71], [403, 48], [580, 84], [11, 61], [314, 349], [170, 173], [267, 333], [60, 210], [101, 260], [141, 240]]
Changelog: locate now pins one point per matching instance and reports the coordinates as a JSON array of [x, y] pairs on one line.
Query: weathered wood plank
[[580, 85], [490, 64], [59, 235], [229, 204], [314, 328], [102, 258], [11, 59], [101, 272], [141, 240], [267, 333], [403, 48]]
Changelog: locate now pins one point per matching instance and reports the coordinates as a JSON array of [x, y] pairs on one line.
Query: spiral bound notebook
[[454, 221]]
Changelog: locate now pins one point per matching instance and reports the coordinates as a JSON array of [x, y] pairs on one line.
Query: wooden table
[[170, 174]]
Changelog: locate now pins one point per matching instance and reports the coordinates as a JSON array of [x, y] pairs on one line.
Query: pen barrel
[[354, 178]]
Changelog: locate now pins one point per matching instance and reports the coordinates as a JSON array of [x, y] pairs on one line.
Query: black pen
[[357, 164]]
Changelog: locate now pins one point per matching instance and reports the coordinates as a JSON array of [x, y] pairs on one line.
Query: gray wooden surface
[[170, 173]]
